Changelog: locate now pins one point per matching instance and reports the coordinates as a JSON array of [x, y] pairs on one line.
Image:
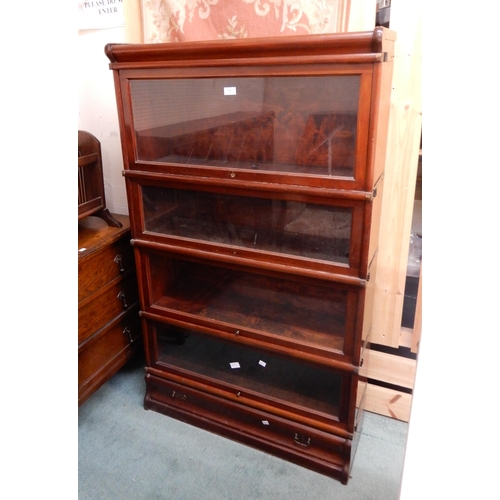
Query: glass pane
[[286, 124], [302, 313], [288, 227], [271, 375]]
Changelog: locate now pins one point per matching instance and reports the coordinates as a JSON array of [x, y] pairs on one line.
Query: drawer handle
[[179, 396], [127, 331], [121, 296], [302, 440], [118, 259]]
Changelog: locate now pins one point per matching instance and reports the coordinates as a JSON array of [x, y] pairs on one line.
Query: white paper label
[[265, 422], [262, 363], [235, 364], [229, 90]]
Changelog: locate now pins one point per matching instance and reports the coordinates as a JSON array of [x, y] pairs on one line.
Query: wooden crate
[[392, 374]]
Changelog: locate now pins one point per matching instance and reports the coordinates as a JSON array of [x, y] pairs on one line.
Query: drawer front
[[104, 266], [309, 447], [102, 356], [113, 301]]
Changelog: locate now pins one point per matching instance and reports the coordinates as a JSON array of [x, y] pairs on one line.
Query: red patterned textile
[[189, 20]]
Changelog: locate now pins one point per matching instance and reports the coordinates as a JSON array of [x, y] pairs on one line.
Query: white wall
[[97, 111]]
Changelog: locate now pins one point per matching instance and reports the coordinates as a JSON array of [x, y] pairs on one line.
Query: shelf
[[298, 228], [310, 317], [252, 373]]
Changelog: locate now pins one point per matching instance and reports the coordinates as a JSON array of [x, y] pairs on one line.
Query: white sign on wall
[[100, 14]]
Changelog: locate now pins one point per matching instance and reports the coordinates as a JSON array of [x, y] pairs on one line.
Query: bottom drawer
[[103, 354], [317, 450]]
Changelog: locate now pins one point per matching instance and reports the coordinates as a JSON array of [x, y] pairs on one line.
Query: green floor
[[126, 452]]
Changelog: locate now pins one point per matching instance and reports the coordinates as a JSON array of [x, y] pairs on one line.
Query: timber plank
[[392, 369], [388, 402]]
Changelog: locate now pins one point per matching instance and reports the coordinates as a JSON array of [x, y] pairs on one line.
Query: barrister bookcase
[[254, 174]]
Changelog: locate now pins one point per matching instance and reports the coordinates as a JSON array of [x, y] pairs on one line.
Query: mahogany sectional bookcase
[[254, 177]]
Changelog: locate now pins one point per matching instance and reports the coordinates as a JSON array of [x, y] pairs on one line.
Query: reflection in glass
[[286, 124], [271, 375], [284, 226]]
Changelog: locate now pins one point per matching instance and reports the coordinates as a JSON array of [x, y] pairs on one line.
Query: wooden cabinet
[[109, 329], [254, 174]]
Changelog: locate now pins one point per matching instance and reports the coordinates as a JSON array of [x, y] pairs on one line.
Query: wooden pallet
[[392, 375]]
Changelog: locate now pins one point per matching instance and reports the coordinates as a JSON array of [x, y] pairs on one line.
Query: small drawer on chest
[[106, 351], [109, 263], [105, 305]]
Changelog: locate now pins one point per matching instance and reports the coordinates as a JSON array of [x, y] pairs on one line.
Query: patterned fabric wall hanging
[[189, 20]]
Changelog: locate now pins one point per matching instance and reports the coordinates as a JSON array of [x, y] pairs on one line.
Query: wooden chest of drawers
[[109, 331]]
